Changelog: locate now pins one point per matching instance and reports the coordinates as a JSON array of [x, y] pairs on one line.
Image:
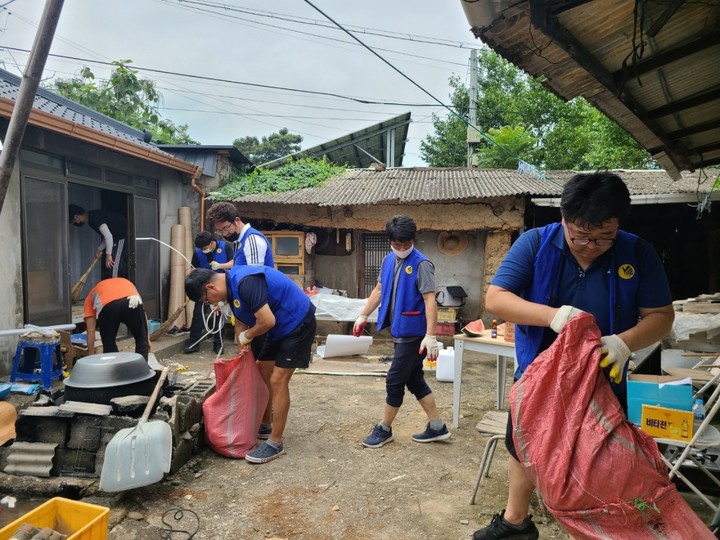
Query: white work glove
[[614, 353], [429, 344], [214, 265], [134, 301], [563, 315], [243, 339], [359, 326]]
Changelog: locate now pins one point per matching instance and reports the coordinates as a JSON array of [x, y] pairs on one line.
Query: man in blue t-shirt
[[551, 274], [267, 303]]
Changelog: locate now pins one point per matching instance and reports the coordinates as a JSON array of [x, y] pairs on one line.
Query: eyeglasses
[[599, 242], [225, 229]]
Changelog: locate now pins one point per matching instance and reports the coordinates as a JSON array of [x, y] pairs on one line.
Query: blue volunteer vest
[[240, 258], [219, 255], [287, 301], [408, 318], [622, 285]]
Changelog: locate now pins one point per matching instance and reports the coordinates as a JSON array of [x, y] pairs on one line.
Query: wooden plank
[[701, 307], [493, 423]]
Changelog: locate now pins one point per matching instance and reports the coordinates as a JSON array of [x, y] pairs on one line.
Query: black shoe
[[191, 350], [217, 349], [499, 528]]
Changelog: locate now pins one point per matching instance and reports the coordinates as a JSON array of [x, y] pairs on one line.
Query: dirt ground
[[327, 485]]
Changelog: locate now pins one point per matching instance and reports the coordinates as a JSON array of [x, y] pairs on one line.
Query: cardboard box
[[654, 390], [667, 423]]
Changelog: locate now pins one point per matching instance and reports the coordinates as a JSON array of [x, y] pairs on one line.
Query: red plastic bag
[[234, 412], [599, 475]]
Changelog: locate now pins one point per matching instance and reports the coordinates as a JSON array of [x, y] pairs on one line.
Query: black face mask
[[232, 237], [79, 224]]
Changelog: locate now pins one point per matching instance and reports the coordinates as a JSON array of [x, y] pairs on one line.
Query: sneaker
[[430, 434], [499, 528], [264, 453], [378, 437], [264, 433]]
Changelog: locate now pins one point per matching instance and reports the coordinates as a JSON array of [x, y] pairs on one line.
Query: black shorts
[[295, 349]]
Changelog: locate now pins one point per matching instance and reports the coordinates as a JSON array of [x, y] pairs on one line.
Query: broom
[[164, 327], [78, 287]]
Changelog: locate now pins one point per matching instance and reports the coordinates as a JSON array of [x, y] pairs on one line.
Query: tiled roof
[[407, 185], [61, 107]]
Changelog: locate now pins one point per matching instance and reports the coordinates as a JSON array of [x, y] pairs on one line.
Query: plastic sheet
[[341, 345], [331, 307]]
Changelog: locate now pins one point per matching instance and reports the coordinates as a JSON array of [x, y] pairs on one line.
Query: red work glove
[[359, 326]]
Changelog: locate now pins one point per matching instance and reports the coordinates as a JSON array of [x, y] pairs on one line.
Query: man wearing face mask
[[207, 251], [251, 246], [112, 228], [405, 293]]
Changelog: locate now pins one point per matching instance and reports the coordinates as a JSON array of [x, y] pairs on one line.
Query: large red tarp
[[232, 415], [598, 474]]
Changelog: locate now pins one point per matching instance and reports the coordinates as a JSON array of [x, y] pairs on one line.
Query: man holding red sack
[[264, 301], [553, 273]]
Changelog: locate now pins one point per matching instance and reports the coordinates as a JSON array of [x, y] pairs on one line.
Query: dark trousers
[[406, 370], [118, 312]]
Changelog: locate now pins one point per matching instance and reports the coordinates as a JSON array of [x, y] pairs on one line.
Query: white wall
[[11, 290]]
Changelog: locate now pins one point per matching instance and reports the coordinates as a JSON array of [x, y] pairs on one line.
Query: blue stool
[[47, 355]]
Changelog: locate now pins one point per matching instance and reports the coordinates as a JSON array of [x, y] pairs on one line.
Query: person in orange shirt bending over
[[111, 302]]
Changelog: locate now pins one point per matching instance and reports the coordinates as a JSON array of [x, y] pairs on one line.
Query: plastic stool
[[51, 362]]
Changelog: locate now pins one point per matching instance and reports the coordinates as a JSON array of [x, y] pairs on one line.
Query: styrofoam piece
[[342, 345]]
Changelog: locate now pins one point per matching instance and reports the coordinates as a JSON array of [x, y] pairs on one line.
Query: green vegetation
[[302, 173], [274, 146], [530, 123], [124, 97]]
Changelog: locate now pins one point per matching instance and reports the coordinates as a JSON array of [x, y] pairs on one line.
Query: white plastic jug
[[445, 371]]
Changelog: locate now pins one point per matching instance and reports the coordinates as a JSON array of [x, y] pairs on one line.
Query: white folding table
[[485, 344]]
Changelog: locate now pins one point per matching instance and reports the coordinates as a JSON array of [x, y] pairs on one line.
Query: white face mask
[[402, 254], [225, 309], [206, 251]]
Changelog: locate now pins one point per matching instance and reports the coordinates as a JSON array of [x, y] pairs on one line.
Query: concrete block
[[182, 453], [51, 430], [189, 411], [129, 405], [85, 433], [202, 389], [75, 461]]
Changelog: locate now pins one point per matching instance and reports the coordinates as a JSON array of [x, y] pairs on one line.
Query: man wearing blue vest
[[264, 302], [251, 246], [551, 274], [208, 253], [405, 293]]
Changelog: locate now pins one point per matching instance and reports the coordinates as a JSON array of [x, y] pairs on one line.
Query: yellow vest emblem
[[408, 269], [236, 303], [626, 271]]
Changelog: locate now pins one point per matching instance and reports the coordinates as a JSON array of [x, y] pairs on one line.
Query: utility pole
[[26, 94], [472, 135]]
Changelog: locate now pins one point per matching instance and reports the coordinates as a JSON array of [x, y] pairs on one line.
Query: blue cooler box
[[654, 390]]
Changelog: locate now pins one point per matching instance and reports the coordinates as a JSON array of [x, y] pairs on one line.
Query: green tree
[[274, 146], [125, 97], [516, 110]]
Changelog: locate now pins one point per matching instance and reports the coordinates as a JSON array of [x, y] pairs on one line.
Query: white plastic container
[[445, 371]]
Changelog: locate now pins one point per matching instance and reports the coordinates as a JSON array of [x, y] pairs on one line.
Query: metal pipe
[[193, 182]]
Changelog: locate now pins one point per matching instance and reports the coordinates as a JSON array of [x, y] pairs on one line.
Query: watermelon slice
[[474, 328]]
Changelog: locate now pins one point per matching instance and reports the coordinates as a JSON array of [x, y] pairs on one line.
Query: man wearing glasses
[[553, 273], [251, 246]]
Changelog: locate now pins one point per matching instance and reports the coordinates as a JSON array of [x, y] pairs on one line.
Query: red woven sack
[[599, 475], [233, 413]]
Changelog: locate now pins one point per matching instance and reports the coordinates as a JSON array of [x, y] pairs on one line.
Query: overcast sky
[[280, 43]]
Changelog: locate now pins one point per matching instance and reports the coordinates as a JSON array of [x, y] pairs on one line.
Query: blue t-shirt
[[584, 289]]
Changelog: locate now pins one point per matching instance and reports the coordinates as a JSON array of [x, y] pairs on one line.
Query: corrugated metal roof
[[365, 186], [205, 155]]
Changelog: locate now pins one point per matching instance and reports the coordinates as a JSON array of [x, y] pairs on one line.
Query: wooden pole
[[26, 95]]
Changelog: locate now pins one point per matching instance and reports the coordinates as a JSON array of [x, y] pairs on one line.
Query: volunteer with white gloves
[[553, 273], [111, 302], [405, 294]]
